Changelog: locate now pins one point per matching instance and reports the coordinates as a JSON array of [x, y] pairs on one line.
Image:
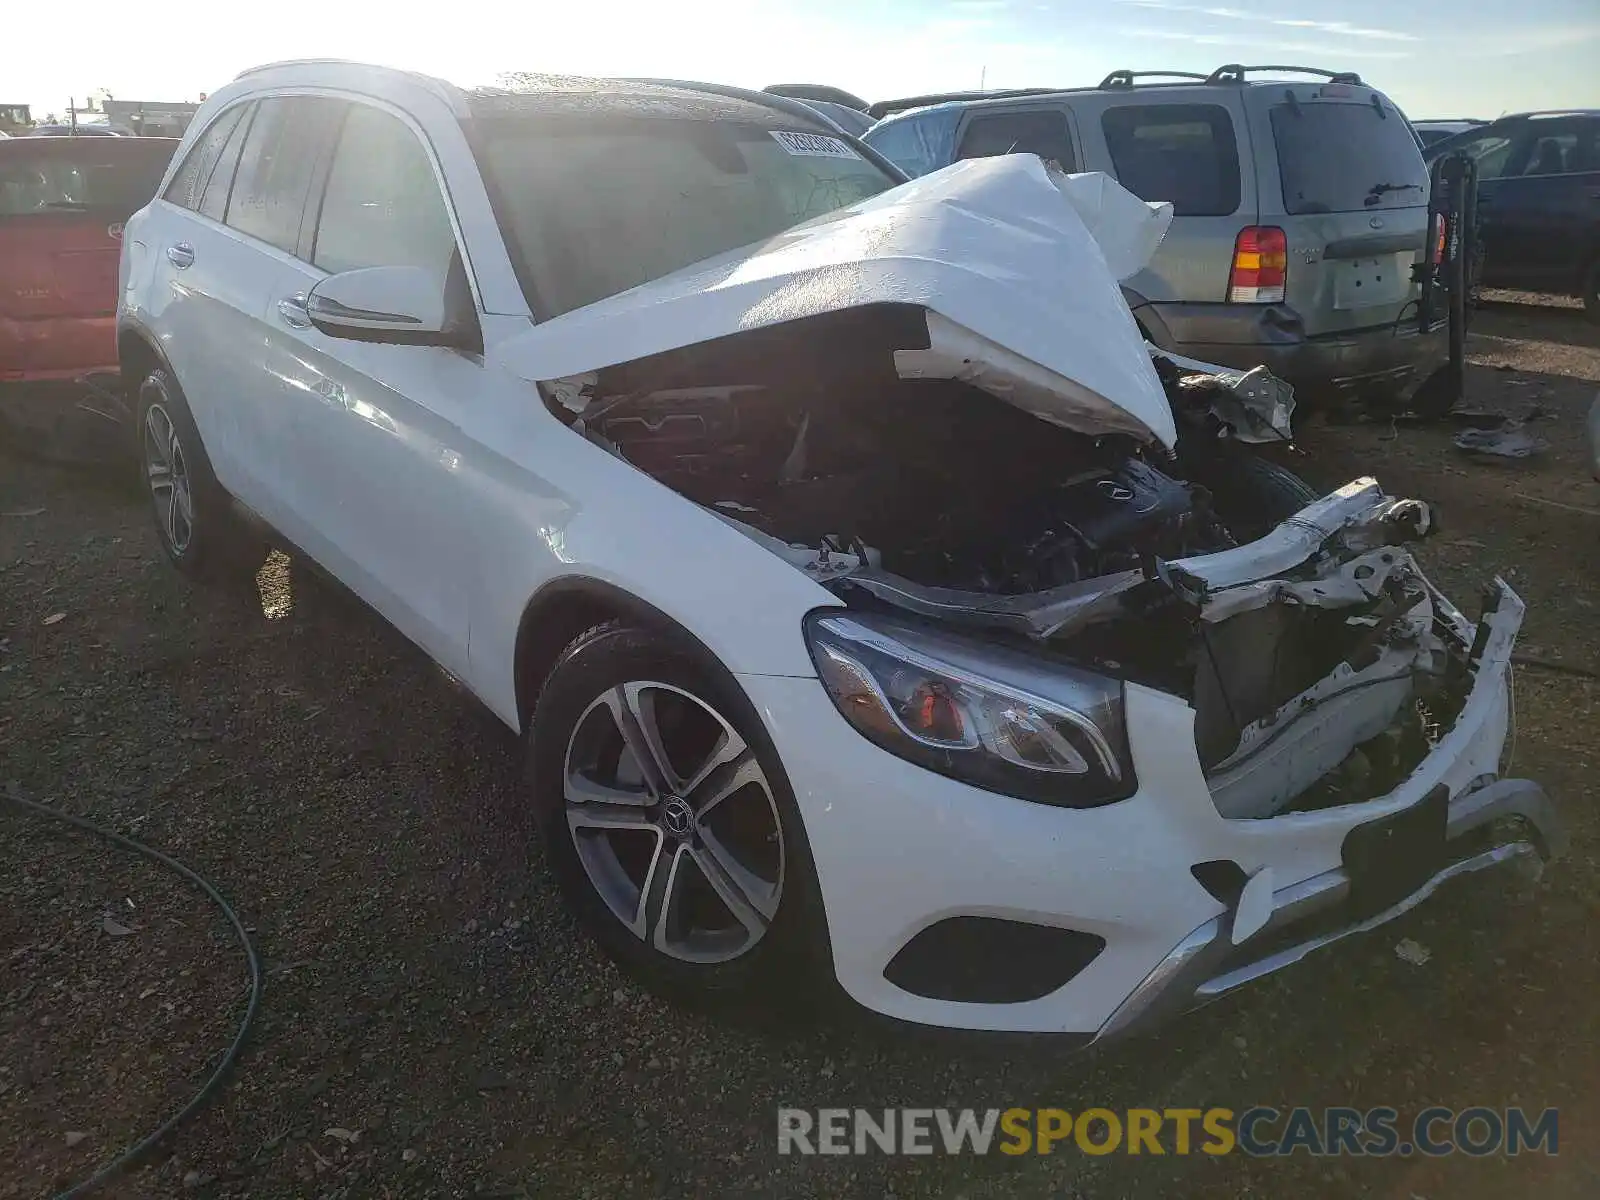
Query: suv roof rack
[[1235, 73], [884, 108], [1123, 78]]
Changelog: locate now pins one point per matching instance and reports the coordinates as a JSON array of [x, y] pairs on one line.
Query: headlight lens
[[988, 715]]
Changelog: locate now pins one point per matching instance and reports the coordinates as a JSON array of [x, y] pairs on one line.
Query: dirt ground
[[433, 1025]]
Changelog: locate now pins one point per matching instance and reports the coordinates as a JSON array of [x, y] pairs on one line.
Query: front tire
[[669, 823]]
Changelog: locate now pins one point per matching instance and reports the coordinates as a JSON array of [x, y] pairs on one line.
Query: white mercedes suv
[[874, 607]]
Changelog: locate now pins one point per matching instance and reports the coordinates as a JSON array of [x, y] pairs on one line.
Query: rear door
[[1188, 152], [205, 288], [1340, 164], [63, 202]]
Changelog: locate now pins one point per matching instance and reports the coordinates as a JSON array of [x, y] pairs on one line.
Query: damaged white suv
[[873, 607]]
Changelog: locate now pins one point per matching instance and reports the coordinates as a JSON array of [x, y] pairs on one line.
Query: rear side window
[[1347, 157], [1186, 154], [111, 181], [383, 206], [275, 168], [214, 201], [189, 184], [917, 144], [1491, 152], [1043, 133]]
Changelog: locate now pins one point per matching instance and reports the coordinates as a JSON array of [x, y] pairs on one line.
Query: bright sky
[[1436, 58]]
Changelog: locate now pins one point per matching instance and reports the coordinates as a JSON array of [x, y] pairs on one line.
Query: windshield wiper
[[1379, 190]]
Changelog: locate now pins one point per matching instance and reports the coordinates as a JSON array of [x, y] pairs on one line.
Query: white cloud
[[1338, 28]]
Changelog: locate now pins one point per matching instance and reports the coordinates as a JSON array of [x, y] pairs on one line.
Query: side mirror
[[398, 305]]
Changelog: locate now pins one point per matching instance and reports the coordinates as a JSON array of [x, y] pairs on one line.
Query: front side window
[[189, 184], [1491, 152], [1043, 133], [1186, 154], [383, 206], [917, 144], [275, 168], [593, 206]]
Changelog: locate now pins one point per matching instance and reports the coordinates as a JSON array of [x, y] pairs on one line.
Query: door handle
[[180, 255], [293, 311]]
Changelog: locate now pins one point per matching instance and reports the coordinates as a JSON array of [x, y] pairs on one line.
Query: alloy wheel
[[674, 822], [167, 474]]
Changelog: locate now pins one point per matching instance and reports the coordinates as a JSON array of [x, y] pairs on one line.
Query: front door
[[377, 438]]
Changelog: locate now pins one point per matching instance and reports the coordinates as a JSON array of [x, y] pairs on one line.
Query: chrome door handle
[[293, 311], [181, 255]]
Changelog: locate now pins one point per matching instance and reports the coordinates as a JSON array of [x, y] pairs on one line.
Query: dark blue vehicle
[[1538, 201]]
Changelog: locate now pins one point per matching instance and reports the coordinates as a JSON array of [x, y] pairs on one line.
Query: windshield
[[594, 207], [89, 178], [1347, 158]]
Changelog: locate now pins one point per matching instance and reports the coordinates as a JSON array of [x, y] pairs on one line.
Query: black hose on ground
[[134, 1153], [1551, 664]]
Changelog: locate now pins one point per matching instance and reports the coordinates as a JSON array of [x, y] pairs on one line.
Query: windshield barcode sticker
[[816, 145]]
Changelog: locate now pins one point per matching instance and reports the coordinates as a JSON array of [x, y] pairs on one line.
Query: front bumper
[[898, 850], [1386, 359]]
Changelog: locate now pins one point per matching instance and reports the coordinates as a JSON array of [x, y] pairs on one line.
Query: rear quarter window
[[1347, 157], [1186, 154]]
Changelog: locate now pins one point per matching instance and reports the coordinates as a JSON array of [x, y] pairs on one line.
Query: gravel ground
[[434, 1025]]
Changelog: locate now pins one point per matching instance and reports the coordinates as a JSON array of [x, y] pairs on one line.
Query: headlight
[[991, 716]]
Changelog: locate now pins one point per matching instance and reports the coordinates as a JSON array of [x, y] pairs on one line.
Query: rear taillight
[[1438, 239], [1260, 266]]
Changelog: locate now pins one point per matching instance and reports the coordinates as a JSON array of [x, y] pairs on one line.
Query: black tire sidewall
[[1252, 493], [792, 957], [206, 495]]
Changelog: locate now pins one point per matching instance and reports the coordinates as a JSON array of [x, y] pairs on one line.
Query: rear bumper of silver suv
[[1385, 358]]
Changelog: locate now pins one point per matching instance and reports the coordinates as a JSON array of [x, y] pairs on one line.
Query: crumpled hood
[[1016, 267]]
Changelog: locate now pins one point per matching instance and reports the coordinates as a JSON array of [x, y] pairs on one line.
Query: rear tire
[[193, 513], [1591, 293], [643, 854]]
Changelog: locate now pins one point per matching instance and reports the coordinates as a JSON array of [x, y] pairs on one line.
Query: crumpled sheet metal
[[1255, 405]]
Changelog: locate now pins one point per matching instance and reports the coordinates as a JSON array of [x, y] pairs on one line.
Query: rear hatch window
[[1347, 157], [110, 182]]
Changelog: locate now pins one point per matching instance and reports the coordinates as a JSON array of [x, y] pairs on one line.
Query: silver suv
[[1300, 208]]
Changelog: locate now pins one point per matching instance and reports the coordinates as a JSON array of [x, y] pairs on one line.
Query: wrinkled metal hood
[[1017, 270]]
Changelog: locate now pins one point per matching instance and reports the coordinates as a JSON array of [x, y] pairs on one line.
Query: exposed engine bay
[[930, 497]]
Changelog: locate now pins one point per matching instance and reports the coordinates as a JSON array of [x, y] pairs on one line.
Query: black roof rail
[[817, 91], [1235, 73], [1122, 78], [884, 108]]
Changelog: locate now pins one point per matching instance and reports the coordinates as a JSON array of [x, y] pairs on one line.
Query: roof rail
[[1235, 73], [1549, 112], [884, 108], [772, 100], [308, 62], [817, 91], [1122, 78]]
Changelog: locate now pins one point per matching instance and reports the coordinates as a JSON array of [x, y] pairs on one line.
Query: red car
[[62, 204]]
